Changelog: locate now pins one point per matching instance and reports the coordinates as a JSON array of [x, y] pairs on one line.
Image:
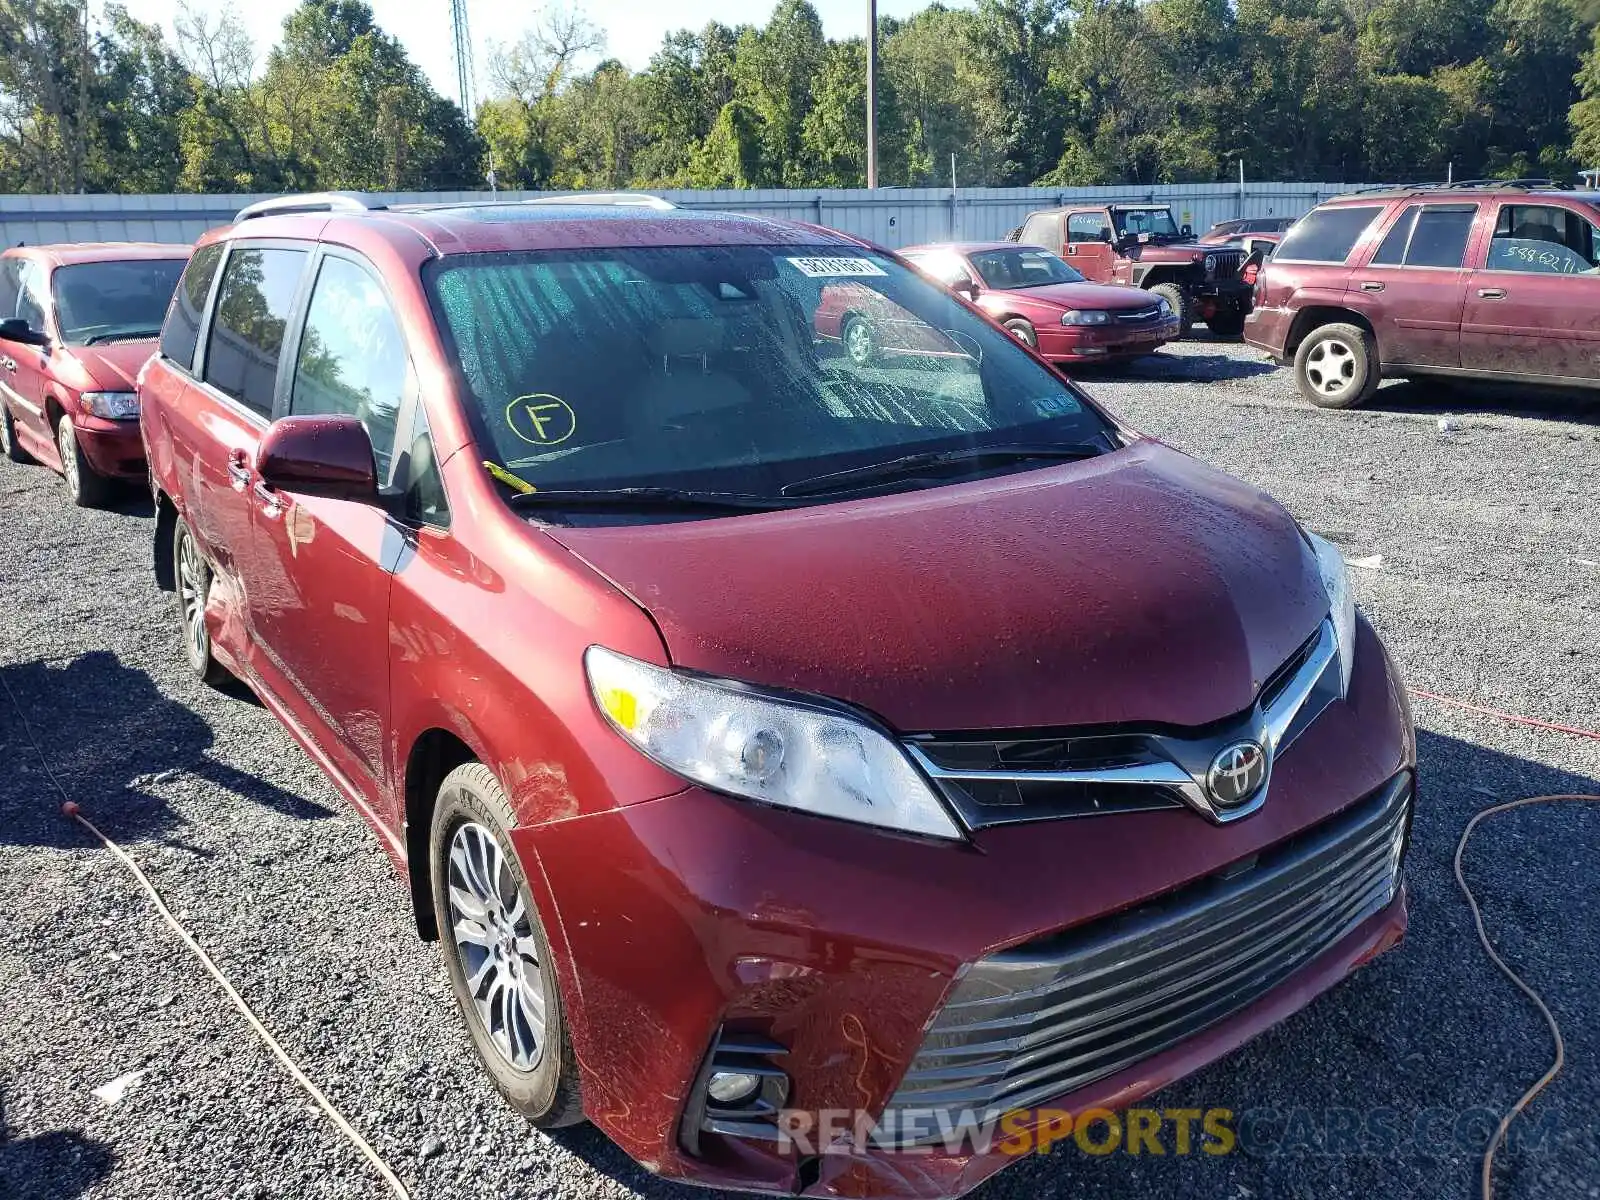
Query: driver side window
[[1087, 227]]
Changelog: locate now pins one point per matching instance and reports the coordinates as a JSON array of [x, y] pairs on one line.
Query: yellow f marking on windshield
[[541, 419]]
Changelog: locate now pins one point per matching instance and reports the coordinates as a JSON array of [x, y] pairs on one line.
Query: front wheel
[[860, 343], [1336, 366], [1178, 300], [497, 953], [1024, 332], [85, 485]]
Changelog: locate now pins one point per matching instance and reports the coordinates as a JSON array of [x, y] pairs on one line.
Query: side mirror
[[15, 329], [966, 287], [319, 456], [1187, 231]]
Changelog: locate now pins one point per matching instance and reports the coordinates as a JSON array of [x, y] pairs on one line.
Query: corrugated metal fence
[[890, 216]]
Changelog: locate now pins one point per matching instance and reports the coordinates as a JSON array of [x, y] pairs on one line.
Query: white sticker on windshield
[[833, 268]]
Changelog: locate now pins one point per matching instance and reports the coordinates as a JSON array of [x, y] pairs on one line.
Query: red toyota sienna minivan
[[803, 762]]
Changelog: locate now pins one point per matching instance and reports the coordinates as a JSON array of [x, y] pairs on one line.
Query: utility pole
[[872, 93]]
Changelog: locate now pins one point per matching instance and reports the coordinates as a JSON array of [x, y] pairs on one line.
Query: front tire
[[1178, 299], [860, 343], [192, 575], [1336, 366], [498, 955], [87, 487], [1024, 332], [8, 437]]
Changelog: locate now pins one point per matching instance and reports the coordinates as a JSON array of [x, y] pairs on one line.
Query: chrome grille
[[1227, 263], [1140, 316], [1033, 1024]]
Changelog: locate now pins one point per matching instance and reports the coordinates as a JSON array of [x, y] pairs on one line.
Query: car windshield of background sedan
[[722, 367], [1012, 269], [113, 301], [1157, 222]]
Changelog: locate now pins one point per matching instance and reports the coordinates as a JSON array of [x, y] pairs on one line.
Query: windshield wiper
[[911, 464], [646, 498], [127, 335]]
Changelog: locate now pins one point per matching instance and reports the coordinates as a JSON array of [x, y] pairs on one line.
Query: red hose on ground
[[1514, 718]]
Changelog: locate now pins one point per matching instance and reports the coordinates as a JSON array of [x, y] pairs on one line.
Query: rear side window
[[258, 289], [181, 333], [352, 358], [1440, 238], [1327, 235], [1043, 229]]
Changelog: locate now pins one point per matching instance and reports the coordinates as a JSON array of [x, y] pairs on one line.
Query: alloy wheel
[[67, 444], [493, 934], [193, 583], [1331, 367], [858, 342]]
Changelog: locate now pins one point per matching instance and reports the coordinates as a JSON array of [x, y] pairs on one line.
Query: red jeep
[[1484, 280], [1142, 245]]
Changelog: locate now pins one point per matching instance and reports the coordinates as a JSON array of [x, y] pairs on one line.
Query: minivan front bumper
[[842, 945]]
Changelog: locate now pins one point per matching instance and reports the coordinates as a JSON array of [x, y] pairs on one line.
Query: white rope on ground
[[69, 809], [1522, 986]]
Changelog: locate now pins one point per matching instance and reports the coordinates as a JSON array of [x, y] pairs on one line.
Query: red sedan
[[1047, 304]]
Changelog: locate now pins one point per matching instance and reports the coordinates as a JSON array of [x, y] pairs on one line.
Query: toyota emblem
[[1236, 774]]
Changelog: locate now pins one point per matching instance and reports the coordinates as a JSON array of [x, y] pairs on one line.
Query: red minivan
[[802, 764], [1475, 280], [76, 324]]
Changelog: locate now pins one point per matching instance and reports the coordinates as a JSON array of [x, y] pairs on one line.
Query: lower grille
[[1037, 1022]]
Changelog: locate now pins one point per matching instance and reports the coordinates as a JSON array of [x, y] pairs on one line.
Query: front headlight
[[1341, 604], [1163, 307], [1084, 317], [1211, 264], [111, 406], [779, 751]]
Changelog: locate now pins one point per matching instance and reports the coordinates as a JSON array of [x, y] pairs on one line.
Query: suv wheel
[[859, 341], [192, 574], [8, 437], [1228, 324], [1179, 300], [1337, 366], [86, 487], [497, 952], [1024, 332]]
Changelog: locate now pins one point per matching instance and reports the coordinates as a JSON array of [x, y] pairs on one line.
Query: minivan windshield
[[112, 301], [738, 370]]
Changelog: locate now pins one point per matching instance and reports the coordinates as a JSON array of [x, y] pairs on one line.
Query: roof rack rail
[[1521, 185], [619, 199], [309, 202]]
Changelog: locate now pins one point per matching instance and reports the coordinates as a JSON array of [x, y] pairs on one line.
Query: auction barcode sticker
[[833, 268]]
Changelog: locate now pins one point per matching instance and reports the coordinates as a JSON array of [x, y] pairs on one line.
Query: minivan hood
[[114, 367], [1141, 586]]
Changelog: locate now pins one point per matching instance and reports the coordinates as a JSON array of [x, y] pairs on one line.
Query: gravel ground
[[1484, 578]]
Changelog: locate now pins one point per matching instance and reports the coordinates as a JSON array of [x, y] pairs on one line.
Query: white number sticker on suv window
[[833, 268]]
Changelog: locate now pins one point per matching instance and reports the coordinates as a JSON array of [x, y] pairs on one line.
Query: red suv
[[76, 324], [1472, 280], [777, 744]]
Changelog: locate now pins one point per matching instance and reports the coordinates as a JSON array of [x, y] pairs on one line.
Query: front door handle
[[271, 502], [1372, 286], [239, 470], [1492, 293]]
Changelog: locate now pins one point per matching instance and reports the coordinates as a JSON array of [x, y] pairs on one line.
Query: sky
[[634, 28]]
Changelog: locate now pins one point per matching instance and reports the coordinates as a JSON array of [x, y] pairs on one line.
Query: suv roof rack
[[619, 199], [309, 202]]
